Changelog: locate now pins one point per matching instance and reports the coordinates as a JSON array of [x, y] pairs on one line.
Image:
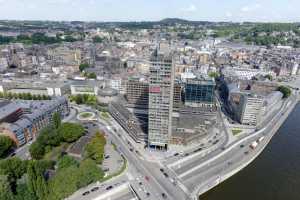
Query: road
[[157, 181], [208, 174]]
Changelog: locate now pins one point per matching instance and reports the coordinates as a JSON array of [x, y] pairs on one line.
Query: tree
[[56, 120], [285, 91], [89, 172], [37, 150], [23, 193], [82, 66], [64, 183], [92, 75], [14, 168], [95, 148], [97, 39], [70, 132], [6, 144], [5, 190], [66, 161], [268, 76], [36, 182]]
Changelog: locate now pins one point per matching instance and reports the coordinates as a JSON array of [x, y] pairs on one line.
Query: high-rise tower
[[161, 92]]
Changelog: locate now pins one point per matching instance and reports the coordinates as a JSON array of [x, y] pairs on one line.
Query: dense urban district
[[139, 110]]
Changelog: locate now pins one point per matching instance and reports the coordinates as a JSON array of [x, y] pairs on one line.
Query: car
[[161, 169], [105, 169], [95, 189], [85, 193], [148, 194], [187, 154], [166, 175], [131, 149], [107, 157], [140, 183], [176, 154], [242, 145], [147, 178], [246, 152], [109, 187], [164, 195]]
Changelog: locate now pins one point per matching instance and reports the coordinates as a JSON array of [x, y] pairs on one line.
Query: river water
[[274, 175]]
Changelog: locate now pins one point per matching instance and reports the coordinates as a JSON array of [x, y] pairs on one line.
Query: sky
[[151, 10]]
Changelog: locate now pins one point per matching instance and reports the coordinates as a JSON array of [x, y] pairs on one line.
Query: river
[[274, 175]]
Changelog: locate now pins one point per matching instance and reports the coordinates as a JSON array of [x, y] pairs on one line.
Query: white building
[[250, 109]]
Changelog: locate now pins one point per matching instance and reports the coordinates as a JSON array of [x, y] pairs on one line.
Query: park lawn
[[235, 132], [105, 115], [85, 115], [56, 152]]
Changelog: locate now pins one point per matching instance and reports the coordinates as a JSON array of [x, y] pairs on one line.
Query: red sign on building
[[154, 89]]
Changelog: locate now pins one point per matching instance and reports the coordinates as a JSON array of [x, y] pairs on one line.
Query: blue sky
[[138, 10]]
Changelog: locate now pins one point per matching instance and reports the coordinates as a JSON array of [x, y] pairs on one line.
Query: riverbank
[[232, 170]]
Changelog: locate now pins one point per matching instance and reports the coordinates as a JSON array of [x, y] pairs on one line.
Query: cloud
[[250, 8], [190, 8]]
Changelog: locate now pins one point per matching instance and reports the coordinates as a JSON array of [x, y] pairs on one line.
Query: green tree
[[5, 190], [6, 144], [66, 161], [95, 148], [56, 120], [285, 91], [23, 193], [64, 183], [92, 75], [82, 66], [89, 172], [70, 132], [37, 150], [97, 39], [36, 182], [14, 168]]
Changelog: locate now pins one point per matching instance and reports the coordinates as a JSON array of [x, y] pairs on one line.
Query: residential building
[[22, 120]]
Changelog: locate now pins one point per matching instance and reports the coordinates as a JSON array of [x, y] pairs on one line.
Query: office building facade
[[199, 91], [161, 93], [250, 109]]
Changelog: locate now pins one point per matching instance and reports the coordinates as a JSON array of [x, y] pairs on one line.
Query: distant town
[[139, 110]]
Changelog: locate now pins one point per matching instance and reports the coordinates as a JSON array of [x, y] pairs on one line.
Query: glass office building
[[199, 91]]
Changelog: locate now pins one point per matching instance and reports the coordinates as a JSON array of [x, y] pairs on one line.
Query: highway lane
[[157, 181], [210, 173], [188, 166]]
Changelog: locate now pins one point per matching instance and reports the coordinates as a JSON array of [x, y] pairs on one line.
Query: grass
[[235, 132], [85, 115], [104, 115], [56, 152]]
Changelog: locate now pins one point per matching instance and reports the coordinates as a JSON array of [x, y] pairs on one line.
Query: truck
[[253, 145]]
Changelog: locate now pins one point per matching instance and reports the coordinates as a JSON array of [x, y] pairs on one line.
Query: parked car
[[95, 189], [109, 187], [85, 193]]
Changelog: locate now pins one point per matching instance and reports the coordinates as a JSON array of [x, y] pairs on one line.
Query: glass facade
[[199, 91]]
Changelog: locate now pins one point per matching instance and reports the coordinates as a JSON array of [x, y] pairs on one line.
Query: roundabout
[[86, 116]]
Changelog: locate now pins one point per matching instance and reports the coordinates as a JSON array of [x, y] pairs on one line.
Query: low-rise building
[[22, 120]]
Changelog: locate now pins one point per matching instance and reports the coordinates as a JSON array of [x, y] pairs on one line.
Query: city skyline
[[134, 10]]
